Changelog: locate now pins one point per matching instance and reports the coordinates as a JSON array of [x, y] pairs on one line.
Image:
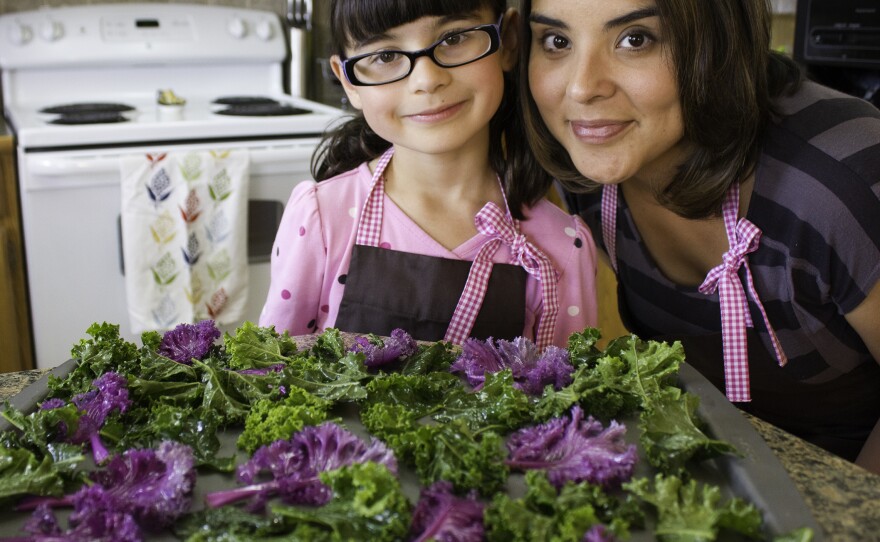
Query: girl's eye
[[385, 57], [635, 40], [453, 40]]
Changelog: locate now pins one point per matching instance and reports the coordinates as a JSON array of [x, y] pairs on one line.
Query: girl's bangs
[[359, 20]]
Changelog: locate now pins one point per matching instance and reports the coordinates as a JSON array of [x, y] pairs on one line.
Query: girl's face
[[606, 88], [434, 110]]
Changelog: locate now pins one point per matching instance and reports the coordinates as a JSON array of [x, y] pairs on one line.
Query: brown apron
[[387, 289]]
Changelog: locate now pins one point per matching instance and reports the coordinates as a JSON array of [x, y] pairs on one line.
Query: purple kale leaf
[[532, 370], [110, 394], [599, 533], [155, 486], [148, 488], [189, 341], [574, 450], [380, 352], [442, 516], [96, 517], [293, 467]]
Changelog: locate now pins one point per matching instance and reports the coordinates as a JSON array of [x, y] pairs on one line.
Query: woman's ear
[[510, 39], [351, 91]]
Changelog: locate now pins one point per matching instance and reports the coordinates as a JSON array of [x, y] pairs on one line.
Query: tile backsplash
[[11, 6]]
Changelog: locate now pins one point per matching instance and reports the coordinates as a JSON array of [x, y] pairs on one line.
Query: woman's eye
[[635, 40], [554, 42]]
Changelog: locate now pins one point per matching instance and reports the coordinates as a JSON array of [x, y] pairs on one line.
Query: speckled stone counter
[[843, 498]]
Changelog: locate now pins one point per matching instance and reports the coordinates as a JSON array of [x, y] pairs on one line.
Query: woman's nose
[[592, 78], [427, 76]]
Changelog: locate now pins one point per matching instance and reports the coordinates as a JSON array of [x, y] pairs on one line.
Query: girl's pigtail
[[346, 147]]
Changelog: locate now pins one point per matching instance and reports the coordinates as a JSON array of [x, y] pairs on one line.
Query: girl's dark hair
[[727, 78], [353, 142]]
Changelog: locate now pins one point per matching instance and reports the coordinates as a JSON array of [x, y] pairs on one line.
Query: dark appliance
[[838, 44]]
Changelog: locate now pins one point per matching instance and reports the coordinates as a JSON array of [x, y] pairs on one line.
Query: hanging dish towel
[[184, 237]]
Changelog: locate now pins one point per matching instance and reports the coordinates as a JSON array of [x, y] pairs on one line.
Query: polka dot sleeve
[[297, 266], [576, 290]]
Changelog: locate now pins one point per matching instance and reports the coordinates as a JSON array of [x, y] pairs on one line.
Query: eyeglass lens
[[454, 50]]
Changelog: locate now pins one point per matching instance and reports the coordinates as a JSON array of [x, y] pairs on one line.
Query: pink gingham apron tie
[[370, 224], [501, 228], [743, 237]]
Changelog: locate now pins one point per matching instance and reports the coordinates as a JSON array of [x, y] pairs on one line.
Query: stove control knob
[[51, 30], [265, 31], [20, 34], [237, 27]]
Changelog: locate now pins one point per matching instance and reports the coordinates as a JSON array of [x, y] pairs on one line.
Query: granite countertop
[[842, 497]]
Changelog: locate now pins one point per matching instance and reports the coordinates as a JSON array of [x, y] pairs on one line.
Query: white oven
[[80, 88]]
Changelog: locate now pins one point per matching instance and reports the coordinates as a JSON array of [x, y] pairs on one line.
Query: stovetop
[[135, 121]]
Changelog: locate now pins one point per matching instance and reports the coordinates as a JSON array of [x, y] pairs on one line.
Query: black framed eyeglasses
[[450, 51]]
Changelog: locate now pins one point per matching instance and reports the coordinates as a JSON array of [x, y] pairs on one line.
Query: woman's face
[[605, 87]]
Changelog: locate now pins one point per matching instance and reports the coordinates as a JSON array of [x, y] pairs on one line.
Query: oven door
[[71, 204]]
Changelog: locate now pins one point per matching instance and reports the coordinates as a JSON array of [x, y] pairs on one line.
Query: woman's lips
[[598, 131], [438, 114]]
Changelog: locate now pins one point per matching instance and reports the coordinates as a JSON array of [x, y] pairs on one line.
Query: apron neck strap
[[370, 221], [609, 222], [743, 238]]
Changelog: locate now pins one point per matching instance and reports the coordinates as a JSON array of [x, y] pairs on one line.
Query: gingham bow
[[743, 238], [500, 228]]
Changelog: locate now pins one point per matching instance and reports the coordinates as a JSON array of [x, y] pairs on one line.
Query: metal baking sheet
[[757, 477]]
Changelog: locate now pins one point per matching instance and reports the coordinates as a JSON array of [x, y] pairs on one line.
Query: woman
[[738, 205]]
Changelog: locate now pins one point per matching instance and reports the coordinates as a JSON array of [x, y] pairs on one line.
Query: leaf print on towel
[[219, 266], [193, 207], [165, 313], [156, 157], [220, 186], [159, 187], [165, 270], [220, 155], [217, 303], [163, 228], [219, 228], [196, 291], [193, 250], [191, 167]]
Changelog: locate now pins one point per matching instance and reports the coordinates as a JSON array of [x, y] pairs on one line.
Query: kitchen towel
[[184, 237]]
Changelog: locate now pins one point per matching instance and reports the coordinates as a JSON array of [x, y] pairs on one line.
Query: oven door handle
[[260, 159]]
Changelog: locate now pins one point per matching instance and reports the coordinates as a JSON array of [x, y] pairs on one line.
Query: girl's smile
[[437, 114]]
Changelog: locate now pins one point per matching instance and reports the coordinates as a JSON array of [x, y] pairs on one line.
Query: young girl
[[410, 227]]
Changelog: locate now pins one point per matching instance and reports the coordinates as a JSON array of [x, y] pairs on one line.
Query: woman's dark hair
[[354, 21], [727, 78]]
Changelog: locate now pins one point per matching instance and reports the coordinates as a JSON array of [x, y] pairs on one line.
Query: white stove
[[80, 90]]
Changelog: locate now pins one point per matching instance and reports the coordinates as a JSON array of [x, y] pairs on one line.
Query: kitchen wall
[[9, 6]]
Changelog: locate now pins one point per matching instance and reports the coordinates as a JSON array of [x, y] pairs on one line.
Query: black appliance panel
[[838, 33]]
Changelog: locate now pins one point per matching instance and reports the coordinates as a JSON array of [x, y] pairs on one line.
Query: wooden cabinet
[[16, 348]]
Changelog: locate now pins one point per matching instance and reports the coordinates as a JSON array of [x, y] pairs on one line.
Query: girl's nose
[[592, 78], [427, 76]]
